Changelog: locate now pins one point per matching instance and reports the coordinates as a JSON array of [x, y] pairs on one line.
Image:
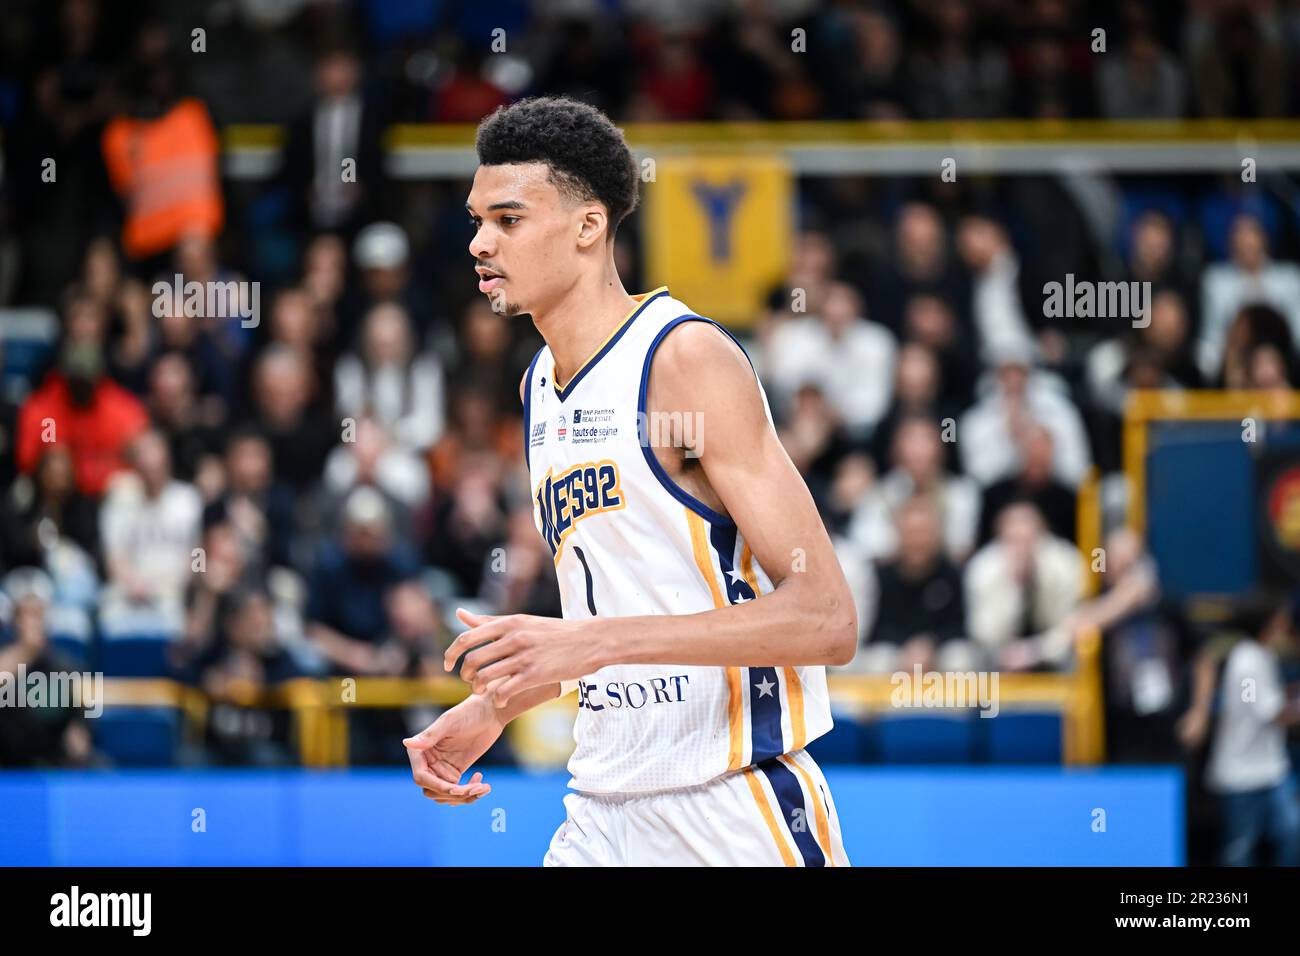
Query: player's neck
[[581, 322]]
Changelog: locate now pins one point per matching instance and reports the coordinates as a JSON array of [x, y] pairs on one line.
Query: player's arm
[[809, 618]]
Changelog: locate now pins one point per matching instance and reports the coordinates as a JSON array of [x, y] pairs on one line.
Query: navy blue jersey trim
[[563, 393]]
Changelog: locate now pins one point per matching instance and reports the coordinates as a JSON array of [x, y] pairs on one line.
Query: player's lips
[[488, 279]]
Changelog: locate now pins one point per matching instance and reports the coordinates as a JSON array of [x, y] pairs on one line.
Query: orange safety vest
[[165, 170]]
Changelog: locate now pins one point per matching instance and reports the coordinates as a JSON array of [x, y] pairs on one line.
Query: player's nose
[[479, 247]]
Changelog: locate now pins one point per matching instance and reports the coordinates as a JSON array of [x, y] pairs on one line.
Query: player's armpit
[[699, 371]]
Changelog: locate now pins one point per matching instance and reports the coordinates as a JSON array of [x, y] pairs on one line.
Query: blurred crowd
[[313, 492]]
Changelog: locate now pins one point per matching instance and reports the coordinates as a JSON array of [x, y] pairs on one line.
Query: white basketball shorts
[[776, 813]]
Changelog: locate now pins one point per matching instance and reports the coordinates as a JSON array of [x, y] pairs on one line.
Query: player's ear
[[593, 225]]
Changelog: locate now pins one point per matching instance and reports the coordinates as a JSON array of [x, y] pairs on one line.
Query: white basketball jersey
[[627, 541]]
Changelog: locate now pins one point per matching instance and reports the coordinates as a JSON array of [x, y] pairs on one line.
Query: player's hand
[[442, 752], [520, 651]]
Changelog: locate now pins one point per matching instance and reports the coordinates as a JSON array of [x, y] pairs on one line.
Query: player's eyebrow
[[508, 204]]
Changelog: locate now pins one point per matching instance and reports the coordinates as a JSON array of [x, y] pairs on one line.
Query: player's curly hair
[[585, 150]]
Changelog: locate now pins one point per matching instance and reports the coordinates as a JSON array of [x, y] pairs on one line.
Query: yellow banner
[[719, 232]]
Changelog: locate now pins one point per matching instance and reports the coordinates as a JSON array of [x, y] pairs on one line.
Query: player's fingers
[[470, 619], [481, 634], [486, 673], [424, 739], [500, 695], [480, 657], [447, 771], [450, 801], [428, 781]]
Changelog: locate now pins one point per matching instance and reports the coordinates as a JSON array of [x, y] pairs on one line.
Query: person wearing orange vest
[[165, 170]]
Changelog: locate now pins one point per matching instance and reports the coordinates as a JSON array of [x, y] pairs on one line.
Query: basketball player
[[702, 598]]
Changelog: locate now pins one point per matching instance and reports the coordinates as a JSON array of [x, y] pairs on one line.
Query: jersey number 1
[[591, 598]]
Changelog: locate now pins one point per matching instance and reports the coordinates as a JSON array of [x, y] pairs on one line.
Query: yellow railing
[[319, 706]]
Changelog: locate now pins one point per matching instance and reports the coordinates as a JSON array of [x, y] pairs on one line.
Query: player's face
[[524, 239]]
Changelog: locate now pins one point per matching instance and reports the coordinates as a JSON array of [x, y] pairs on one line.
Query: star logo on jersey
[[765, 687]]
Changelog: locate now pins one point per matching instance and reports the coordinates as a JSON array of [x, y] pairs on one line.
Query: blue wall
[[890, 816]]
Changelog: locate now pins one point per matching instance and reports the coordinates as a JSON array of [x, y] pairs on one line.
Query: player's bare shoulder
[[699, 369]]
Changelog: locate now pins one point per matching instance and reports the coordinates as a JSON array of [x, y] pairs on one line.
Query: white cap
[[381, 245], [366, 507]]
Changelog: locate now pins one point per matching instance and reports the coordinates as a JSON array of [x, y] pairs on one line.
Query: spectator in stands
[[487, 359], [1255, 326], [1143, 82], [1166, 340], [475, 429], [388, 380], [54, 735], [587, 64], [44, 514], [126, 303], [369, 456], [324, 276], [957, 74], [918, 470], [300, 324], [986, 434], [469, 521], [674, 83], [78, 406], [220, 572], [997, 314], [916, 393], [346, 616], [216, 378], [851, 359], [815, 441], [258, 506], [1271, 369], [191, 429], [1143, 654], [1249, 277], [149, 525], [1237, 59], [864, 76], [1033, 481], [518, 579], [1020, 589], [921, 601], [418, 636], [469, 93], [1248, 764], [247, 663], [333, 160], [161, 151], [1154, 257], [196, 260], [300, 431], [921, 265], [382, 255], [930, 321]]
